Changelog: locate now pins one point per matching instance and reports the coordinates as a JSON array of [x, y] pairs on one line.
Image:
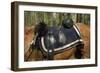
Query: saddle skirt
[[59, 40]]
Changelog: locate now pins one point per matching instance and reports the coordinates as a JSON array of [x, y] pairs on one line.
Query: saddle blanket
[[58, 40]]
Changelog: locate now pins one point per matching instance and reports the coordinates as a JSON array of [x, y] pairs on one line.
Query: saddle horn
[[41, 29]]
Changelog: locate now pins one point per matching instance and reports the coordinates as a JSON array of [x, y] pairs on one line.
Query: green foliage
[[53, 18]]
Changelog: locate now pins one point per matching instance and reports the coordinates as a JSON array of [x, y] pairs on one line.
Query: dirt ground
[[29, 35]]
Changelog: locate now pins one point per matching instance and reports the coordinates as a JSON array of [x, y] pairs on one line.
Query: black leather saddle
[[54, 40], [59, 40]]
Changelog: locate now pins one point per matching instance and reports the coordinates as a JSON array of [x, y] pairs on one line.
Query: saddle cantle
[[59, 40]]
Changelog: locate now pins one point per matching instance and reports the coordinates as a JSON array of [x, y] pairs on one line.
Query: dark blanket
[[60, 39]]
